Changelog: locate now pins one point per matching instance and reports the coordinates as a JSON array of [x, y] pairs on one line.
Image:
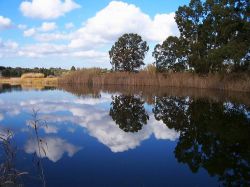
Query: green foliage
[[169, 55], [214, 37], [128, 53]]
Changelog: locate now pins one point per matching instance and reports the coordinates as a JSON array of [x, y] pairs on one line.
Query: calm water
[[127, 137]]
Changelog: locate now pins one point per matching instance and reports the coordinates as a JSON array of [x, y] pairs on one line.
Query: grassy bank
[[94, 77], [30, 81]]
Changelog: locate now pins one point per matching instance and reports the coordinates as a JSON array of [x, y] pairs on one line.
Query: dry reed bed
[[231, 82], [30, 81], [32, 75]]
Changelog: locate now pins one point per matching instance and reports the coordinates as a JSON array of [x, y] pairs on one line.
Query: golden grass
[[30, 82], [232, 82], [32, 75]]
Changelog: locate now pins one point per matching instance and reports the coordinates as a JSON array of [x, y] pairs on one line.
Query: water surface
[[120, 136]]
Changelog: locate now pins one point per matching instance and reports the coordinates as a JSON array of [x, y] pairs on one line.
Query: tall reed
[[232, 82]]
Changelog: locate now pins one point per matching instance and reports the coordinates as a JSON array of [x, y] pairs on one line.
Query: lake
[[123, 136]]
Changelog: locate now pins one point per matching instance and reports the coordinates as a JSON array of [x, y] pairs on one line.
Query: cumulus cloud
[[29, 32], [40, 50], [119, 18], [91, 41], [55, 148], [22, 26], [8, 48], [49, 37], [4, 22], [8, 44], [97, 33], [69, 25], [47, 26], [47, 9]]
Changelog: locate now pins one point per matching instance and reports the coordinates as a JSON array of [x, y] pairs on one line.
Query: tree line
[[17, 72], [214, 37]]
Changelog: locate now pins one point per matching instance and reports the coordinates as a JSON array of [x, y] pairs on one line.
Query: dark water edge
[[212, 147], [149, 92]]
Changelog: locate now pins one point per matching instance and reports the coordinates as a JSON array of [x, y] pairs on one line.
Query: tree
[[128, 53], [229, 28], [215, 34], [169, 55], [73, 68], [128, 112], [189, 20]]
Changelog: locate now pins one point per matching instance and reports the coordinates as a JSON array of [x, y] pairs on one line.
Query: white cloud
[[119, 18], [40, 50], [48, 37], [55, 148], [4, 22], [8, 48], [69, 25], [90, 54], [8, 44], [47, 9], [29, 32], [50, 129], [47, 26], [22, 26]]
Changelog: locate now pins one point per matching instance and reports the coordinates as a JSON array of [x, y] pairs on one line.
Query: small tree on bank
[[128, 53]]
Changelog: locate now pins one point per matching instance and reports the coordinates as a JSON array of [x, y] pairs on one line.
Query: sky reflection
[[92, 114]]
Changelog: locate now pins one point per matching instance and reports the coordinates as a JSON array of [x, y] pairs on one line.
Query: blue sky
[[62, 33]]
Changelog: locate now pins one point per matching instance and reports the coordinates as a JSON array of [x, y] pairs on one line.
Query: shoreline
[[231, 82]]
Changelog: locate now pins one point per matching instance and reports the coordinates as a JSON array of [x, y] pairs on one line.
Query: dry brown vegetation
[[30, 82], [95, 77], [32, 75]]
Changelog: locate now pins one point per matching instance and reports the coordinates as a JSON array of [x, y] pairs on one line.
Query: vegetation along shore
[[210, 53]]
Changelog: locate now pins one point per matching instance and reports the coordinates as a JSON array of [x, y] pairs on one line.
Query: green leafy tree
[[128, 53], [170, 55], [129, 113], [229, 28], [215, 34], [189, 20]]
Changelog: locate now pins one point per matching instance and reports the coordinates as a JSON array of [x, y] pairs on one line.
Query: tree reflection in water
[[128, 112], [213, 135]]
